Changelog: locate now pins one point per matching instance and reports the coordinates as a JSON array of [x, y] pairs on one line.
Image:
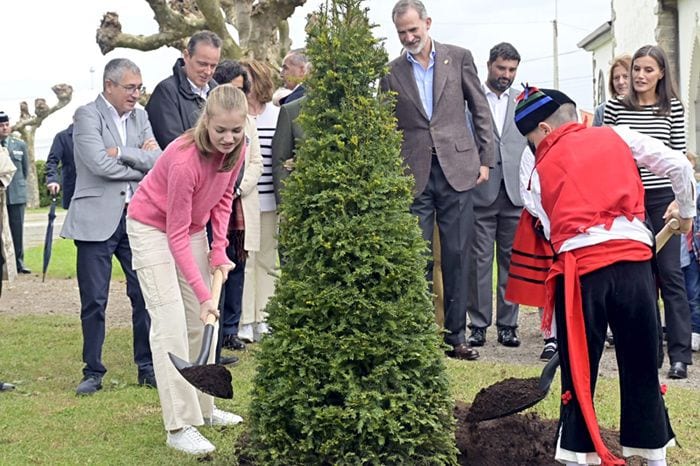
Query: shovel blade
[[212, 379]]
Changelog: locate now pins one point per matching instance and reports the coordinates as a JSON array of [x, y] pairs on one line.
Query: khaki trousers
[[260, 275], [175, 324]]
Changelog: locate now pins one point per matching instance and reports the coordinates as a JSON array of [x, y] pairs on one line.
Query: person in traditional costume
[[589, 199]]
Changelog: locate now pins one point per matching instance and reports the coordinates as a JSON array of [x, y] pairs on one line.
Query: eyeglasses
[[132, 88]]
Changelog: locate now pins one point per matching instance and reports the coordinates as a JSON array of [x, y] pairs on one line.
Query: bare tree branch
[[27, 126]]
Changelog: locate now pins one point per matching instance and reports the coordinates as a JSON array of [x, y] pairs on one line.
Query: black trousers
[[623, 296], [454, 213], [94, 270], [15, 217], [670, 280]]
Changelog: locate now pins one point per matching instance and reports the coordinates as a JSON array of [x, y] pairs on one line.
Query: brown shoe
[[462, 351]]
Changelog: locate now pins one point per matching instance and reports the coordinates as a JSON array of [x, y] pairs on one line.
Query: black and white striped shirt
[[669, 129], [266, 123]]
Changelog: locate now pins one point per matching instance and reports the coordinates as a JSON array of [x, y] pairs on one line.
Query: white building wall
[[602, 57], [689, 65], [634, 23]]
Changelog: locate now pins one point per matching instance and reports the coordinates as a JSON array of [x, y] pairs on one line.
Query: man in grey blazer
[[434, 82], [288, 134], [497, 206], [114, 147], [16, 194]]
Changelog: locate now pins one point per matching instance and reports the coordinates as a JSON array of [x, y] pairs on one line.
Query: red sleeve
[[178, 218]]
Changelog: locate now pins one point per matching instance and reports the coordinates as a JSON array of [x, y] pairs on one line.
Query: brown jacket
[[455, 85]]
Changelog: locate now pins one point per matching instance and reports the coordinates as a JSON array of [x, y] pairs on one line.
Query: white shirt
[[499, 106], [120, 123], [649, 153], [200, 91]]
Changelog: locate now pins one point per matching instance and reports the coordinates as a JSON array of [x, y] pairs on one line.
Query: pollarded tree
[[261, 25], [353, 372], [28, 124]]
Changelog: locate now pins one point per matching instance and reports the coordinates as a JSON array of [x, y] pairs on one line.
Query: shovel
[[513, 395], [212, 379]]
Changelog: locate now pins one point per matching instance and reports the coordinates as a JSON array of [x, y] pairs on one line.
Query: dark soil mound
[[519, 440], [505, 397], [213, 379]]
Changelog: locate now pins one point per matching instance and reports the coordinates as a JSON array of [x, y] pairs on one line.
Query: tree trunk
[[27, 126]]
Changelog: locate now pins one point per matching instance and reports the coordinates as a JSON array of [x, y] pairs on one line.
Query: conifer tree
[[353, 372]]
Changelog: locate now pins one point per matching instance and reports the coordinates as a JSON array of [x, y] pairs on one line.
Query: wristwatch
[[238, 191]]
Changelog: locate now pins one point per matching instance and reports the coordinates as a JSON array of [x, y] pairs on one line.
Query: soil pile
[[505, 397], [213, 379]]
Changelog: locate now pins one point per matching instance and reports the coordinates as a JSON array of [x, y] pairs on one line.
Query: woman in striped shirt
[[652, 107], [259, 282]]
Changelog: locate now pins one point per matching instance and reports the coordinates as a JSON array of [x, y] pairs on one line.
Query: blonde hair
[[223, 98]]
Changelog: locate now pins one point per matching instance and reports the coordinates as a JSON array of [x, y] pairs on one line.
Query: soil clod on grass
[[212, 379], [505, 397]]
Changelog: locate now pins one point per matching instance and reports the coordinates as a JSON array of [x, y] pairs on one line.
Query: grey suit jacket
[[287, 136], [17, 189], [455, 83], [509, 148], [100, 186]]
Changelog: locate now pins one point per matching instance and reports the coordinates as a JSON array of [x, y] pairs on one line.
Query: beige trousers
[[260, 274], [175, 324]]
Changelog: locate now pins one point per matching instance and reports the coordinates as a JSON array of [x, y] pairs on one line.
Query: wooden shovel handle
[[665, 234], [216, 285]]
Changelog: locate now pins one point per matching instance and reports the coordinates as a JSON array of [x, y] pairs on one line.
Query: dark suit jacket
[[173, 108], [61, 153], [284, 142], [455, 84], [296, 94], [16, 192]]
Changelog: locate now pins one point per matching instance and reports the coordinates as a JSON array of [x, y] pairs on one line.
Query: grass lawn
[[62, 263], [43, 422]]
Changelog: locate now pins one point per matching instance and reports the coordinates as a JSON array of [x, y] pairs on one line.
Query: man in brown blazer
[[436, 84]]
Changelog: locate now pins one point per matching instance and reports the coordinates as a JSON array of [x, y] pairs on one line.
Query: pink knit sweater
[[178, 196]]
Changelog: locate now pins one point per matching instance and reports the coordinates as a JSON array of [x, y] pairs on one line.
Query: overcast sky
[[52, 41]]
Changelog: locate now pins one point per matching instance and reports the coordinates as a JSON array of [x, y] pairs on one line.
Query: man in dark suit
[[16, 194], [114, 148], [295, 66], [61, 153], [287, 135], [497, 206], [177, 100], [434, 82]]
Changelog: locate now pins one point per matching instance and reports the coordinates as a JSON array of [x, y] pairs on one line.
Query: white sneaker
[[261, 329], [246, 333], [189, 440], [695, 343], [223, 418]]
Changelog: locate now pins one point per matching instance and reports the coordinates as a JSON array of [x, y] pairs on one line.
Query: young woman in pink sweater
[[190, 184]]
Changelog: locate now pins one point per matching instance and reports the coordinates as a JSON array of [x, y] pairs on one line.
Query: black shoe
[[478, 336], [463, 351], [89, 385], [24, 270], [147, 379], [227, 361], [679, 370], [6, 387], [508, 337], [233, 343], [550, 349]]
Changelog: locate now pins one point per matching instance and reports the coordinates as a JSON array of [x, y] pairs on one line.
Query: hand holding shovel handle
[[666, 232]]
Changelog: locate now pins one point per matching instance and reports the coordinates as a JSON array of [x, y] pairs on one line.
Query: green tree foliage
[[353, 372]]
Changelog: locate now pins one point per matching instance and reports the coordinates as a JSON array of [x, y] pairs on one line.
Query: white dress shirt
[[120, 123], [498, 105]]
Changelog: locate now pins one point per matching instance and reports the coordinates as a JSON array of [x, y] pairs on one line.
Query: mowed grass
[[44, 422], [62, 262]]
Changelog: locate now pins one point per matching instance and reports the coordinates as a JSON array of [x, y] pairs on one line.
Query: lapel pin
[[446, 62]]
